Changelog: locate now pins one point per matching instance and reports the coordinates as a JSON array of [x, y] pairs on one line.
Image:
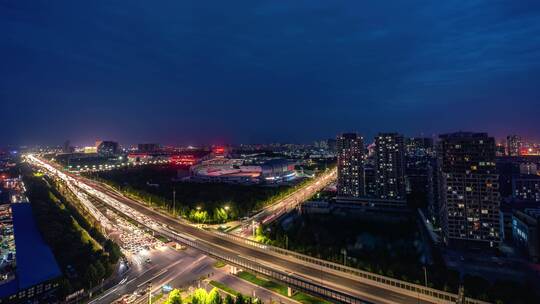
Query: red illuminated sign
[[184, 160], [219, 150]]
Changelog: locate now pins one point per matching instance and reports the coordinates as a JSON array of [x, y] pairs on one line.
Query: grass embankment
[[225, 288], [219, 264], [281, 289]]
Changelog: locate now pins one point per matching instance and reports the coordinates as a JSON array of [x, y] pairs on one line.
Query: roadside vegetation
[[219, 264], [224, 288], [84, 255], [201, 296]]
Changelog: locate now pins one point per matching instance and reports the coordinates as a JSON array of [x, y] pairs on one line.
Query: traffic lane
[[164, 267], [179, 274], [137, 275], [190, 276], [295, 267], [132, 279]]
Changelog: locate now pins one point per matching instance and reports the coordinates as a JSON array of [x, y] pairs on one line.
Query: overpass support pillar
[[234, 270], [289, 292]]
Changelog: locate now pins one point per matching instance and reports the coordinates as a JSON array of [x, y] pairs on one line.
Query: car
[[148, 260]]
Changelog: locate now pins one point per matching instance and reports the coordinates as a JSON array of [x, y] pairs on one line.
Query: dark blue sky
[[257, 71]]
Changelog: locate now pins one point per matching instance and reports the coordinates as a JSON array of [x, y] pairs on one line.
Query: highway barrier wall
[[424, 292]]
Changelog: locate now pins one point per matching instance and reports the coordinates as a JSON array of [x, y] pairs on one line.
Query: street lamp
[[344, 252], [425, 275], [227, 207], [174, 200]]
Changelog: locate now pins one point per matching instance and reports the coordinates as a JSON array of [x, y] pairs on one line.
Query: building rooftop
[[35, 261]]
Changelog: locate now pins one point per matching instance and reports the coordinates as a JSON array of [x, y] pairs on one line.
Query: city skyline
[[186, 73], [367, 141], [251, 152]]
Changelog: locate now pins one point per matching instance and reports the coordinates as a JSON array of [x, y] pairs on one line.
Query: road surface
[[167, 266]]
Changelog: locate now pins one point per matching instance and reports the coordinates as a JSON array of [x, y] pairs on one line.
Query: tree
[[65, 287], [221, 215], [90, 276], [229, 299], [213, 297], [113, 250], [198, 216], [100, 270], [199, 296], [239, 299], [175, 297]]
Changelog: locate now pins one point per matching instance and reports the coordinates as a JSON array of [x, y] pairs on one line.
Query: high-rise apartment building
[[390, 166], [148, 147], [419, 146], [350, 154], [107, 148], [513, 145], [469, 189]]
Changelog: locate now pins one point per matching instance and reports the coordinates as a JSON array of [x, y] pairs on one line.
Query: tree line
[[201, 296]]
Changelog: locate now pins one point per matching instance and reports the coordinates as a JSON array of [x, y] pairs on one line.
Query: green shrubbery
[[281, 289], [201, 296]]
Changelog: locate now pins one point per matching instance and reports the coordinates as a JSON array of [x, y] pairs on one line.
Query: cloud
[[326, 65]]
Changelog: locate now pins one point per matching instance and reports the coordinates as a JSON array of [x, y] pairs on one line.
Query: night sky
[[186, 72]]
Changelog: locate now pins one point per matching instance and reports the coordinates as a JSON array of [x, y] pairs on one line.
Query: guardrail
[[376, 279]]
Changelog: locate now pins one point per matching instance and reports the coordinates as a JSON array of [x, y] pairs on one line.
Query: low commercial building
[[526, 187], [148, 147], [525, 232], [146, 157], [372, 204], [37, 274]]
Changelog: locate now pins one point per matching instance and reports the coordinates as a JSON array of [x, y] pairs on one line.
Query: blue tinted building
[[37, 273]]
